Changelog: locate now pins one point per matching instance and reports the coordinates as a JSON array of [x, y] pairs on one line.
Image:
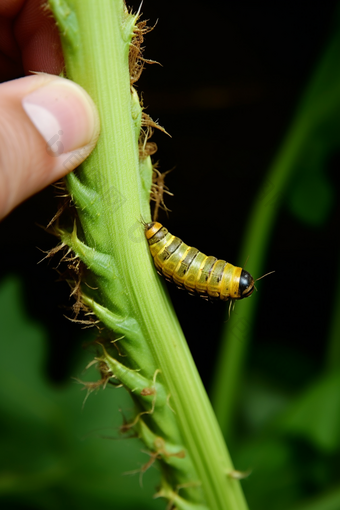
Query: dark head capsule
[[246, 285]]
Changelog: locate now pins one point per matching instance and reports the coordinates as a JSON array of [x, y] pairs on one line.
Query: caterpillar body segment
[[190, 269]]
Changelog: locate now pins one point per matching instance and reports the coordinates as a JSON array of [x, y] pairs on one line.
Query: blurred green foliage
[[291, 439], [286, 426], [53, 453]]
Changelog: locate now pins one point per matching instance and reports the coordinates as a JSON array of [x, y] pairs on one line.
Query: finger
[[29, 39], [11, 8], [38, 38], [48, 126]]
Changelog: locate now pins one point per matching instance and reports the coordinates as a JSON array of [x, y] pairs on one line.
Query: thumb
[[48, 126]]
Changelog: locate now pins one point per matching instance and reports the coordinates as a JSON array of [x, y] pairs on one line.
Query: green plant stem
[[238, 331], [96, 45], [313, 126]]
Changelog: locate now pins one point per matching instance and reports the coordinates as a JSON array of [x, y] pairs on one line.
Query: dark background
[[230, 78]]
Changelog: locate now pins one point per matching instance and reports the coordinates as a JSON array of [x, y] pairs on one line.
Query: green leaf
[[315, 415], [53, 453], [330, 500]]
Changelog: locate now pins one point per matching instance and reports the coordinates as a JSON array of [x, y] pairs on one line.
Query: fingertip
[[64, 114], [52, 126]]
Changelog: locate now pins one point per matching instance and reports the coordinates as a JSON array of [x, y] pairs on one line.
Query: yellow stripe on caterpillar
[[190, 269]]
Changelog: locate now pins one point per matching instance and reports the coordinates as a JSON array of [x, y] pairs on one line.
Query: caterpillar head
[[246, 284]]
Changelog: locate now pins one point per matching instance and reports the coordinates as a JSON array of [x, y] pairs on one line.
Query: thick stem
[[107, 192]]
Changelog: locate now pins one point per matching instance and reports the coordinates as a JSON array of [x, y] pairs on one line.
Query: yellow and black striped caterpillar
[[190, 269]]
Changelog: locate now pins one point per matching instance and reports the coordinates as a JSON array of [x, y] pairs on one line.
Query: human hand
[[48, 125]]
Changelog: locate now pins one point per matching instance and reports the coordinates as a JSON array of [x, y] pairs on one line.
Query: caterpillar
[[190, 269]]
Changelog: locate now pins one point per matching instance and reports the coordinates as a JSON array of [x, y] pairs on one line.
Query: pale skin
[[48, 125]]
